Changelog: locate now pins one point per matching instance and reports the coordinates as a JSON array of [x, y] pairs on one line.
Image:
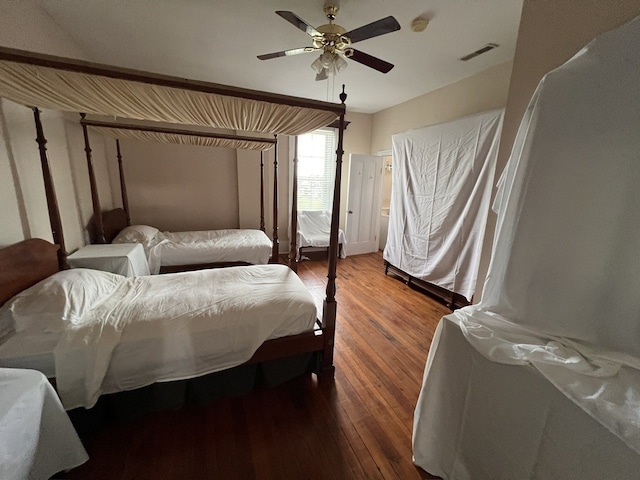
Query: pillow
[[62, 298], [136, 234]]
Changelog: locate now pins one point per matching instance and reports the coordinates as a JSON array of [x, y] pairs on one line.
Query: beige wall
[[23, 208], [486, 90], [179, 187]]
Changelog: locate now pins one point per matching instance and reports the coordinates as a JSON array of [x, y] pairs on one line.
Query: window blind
[[316, 169]]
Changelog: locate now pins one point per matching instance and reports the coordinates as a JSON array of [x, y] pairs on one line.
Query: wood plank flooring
[[358, 426]]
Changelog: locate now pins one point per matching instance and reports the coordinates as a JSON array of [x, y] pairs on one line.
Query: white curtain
[[442, 180]]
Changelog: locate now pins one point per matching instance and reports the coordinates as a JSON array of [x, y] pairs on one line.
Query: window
[[316, 169]]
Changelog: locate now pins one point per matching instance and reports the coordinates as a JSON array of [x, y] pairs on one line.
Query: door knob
[[350, 211]]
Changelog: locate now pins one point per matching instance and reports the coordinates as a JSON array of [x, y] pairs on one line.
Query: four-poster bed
[[146, 329], [70, 85], [177, 251]]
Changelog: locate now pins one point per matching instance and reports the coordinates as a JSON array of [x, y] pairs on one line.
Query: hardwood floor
[[358, 426]]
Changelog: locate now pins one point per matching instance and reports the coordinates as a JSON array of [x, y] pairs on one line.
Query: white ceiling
[[218, 41]]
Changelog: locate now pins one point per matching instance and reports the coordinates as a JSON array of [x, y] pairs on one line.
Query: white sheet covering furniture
[[561, 293], [126, 259], [29, 350], [161, 328], [200, 247], [37, 439], [484, 420], [313, 231], [442, 180]]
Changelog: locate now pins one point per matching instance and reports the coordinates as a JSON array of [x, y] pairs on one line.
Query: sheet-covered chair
[[313, 231]]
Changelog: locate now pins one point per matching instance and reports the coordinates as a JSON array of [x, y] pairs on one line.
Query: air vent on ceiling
[[480, 51]]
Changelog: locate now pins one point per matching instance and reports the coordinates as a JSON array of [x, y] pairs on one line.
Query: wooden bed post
[[123, 186], [95, 199], [52, 202], [276, 243], [262, 227], [329, 309], [293, 249]]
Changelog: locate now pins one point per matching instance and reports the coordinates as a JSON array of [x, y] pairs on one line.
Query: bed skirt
[[234, 382]]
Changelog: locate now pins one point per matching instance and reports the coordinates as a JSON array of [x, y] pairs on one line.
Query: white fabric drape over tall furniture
[[442, 180], [561, 296]]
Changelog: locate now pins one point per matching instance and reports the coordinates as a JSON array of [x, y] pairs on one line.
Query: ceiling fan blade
[[285, 53], [371, 61], [322, 75], [297, 22], [374, 29]]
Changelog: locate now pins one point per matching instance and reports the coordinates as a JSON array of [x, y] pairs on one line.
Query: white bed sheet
[[208, 246], [171, 327]]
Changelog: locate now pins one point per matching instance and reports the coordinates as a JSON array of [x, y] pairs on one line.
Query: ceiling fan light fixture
[[334, 42], [327, 59], [317, 64], [329, 64], [340, 63]]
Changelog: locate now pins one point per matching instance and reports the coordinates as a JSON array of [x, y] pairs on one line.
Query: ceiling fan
[[335, 42]]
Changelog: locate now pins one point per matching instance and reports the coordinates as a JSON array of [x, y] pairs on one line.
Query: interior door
[[363, 204]]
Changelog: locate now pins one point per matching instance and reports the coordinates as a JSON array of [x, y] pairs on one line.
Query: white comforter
[[208, 246], [170, 327]]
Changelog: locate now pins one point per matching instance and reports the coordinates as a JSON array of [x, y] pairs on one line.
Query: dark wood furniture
[[31, 64], [451, 299], [26, 263]]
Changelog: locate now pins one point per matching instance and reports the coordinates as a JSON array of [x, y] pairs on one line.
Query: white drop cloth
[[442, 180], [561, 294], [314, 229], [37, 439]]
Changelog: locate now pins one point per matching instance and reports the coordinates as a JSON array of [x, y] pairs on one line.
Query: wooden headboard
[[113, 222], [24, 264]]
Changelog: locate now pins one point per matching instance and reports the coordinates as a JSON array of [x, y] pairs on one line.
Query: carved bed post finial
[[262, 226], [123, 186], [276, 243], [50, 192], [293, 249], [95, 199]]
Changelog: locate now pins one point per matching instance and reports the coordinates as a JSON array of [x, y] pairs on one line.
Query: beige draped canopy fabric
[[181, 139], [59, 89]]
